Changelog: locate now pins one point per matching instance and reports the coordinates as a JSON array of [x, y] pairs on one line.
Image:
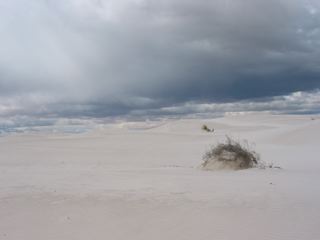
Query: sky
[[101, 58]]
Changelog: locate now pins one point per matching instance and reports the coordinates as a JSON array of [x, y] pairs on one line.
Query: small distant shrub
[[205, 128], [230, 155]]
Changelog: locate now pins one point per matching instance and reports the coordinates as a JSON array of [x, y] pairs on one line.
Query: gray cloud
[[106, 57]]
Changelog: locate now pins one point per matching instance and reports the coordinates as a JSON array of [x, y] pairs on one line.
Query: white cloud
[[297, 102]]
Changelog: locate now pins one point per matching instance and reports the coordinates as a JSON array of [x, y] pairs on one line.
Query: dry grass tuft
[[205, 128], [230, 155]]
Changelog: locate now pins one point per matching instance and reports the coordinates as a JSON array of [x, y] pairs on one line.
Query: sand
[[141, 180]]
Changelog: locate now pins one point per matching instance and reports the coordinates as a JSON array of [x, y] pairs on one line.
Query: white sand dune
[[142, 181]]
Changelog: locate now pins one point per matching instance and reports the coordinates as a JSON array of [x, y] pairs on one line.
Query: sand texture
[[141, 181]]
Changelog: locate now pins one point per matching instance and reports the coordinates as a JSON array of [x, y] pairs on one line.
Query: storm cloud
[[113, 57]]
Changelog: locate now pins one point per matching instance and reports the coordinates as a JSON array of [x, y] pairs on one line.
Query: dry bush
[[230, 155], [205, 128]]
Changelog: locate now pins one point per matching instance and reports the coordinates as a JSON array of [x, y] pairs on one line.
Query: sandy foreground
[[142, 181]]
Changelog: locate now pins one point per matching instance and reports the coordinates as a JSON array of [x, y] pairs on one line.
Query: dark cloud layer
[[112, 57]]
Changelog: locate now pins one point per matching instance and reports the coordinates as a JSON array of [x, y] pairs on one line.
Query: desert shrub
[[205, 128], [230, 155]]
